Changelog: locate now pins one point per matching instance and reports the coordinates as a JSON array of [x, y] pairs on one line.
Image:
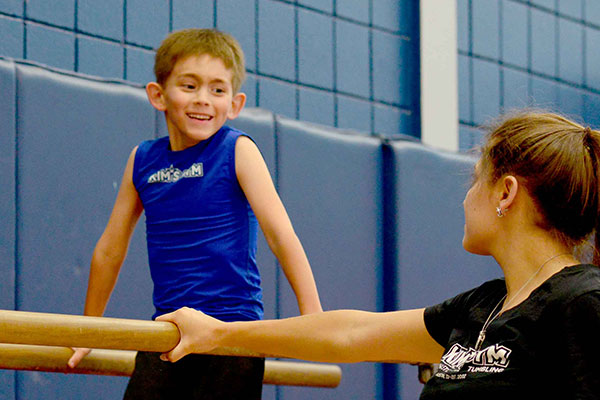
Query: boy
[[203, 188]]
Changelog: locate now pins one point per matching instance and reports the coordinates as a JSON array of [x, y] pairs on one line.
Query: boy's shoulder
[[228, 134], [153, 143], [230, 130]]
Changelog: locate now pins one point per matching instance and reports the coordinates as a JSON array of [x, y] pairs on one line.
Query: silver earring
[[499, 212]]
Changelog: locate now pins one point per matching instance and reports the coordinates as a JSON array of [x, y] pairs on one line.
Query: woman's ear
[[155, 95], [508, 187], [237, 103]]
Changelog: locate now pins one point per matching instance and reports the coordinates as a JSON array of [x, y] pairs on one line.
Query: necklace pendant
[[480, 340]]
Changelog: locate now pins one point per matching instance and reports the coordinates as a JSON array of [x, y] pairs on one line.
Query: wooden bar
[[292, 373], [22, 327], [121, 363], [43, 331], [54, 359]]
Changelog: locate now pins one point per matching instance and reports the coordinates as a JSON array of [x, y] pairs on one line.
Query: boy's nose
[[202, 96]]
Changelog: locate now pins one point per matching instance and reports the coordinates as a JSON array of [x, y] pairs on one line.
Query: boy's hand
[[78, 355], [197, 332]]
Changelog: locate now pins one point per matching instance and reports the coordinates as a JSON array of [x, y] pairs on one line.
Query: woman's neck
[[528, 263]]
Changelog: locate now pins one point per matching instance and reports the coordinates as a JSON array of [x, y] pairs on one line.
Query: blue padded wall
[[7, 182], [426, 216], [74, 137], [330, 184], [7, 204]]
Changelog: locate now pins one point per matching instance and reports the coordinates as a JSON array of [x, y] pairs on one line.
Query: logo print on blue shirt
[[172, 174]]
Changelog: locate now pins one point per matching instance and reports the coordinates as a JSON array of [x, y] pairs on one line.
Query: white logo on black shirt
[[491, 359], [172, 174]]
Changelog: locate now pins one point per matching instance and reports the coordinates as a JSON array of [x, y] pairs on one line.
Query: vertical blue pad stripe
[[8, 134], [331, 186]]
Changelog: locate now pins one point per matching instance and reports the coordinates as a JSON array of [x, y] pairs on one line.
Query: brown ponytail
[[592, 145]]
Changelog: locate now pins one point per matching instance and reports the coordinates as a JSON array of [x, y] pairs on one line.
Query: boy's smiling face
[[197, 99]]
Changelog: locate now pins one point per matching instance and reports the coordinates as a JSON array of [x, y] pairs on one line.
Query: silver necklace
[[493, 316]]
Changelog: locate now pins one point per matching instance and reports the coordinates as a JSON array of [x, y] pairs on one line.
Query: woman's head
[[556, 160]]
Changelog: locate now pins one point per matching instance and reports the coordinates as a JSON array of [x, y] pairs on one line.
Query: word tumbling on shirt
[[492, 359], [172, 174]]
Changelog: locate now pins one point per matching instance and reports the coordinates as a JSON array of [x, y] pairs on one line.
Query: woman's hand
[[198, 332]]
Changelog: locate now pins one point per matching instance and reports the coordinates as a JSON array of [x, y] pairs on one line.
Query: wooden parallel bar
[[23, 327], [121, 363], [44, 329], [54, 359]]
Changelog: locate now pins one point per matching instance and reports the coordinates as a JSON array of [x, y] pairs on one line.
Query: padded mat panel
[[331, 185]]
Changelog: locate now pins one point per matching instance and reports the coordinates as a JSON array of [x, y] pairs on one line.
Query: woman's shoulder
[[571, 283], [486, 293], [580, 278], [495, 287]]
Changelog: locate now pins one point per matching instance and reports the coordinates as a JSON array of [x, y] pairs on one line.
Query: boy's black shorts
[[196, 376]]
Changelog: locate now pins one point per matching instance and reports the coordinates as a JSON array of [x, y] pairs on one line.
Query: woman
[[533, 203]]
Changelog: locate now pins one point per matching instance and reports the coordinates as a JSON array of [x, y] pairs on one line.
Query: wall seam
[[76, 35], [370, 40], [125, 52], [334, 65], [17, 258], [297, 61]]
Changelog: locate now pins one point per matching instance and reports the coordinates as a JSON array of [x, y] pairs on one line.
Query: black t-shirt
[[547, 347]]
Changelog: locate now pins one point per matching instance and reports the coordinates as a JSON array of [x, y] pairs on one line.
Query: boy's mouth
[[200, 117]]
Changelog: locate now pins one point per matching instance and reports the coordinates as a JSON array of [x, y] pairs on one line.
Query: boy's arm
[[111, 249], [255, 180]]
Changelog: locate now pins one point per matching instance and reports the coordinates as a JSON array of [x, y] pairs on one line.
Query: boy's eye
[[219, 90], [188, 85]]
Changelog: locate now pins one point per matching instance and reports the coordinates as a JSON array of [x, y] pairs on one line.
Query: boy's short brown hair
[[194, 42]]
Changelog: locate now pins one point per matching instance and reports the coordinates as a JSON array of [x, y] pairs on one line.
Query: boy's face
[[197, 99]]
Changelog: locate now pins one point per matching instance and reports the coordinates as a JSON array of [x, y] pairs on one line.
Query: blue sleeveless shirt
[[200, 229]]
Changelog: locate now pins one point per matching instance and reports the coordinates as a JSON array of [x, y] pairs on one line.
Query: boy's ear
[[155, 96], [237, 103]]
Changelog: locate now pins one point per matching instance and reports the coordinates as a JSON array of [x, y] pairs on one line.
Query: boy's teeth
[[198, 116]]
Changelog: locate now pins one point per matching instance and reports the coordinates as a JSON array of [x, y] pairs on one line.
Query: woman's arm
[[332, 336]]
